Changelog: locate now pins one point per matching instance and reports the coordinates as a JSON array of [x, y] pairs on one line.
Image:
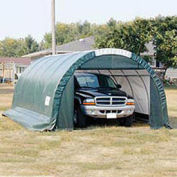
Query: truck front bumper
[[102, 111]]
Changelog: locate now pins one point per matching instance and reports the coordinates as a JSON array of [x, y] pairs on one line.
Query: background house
[[12, 67], [88, 44], [74, 46]]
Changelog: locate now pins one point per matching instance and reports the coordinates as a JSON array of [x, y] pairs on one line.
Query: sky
[[19, 18]]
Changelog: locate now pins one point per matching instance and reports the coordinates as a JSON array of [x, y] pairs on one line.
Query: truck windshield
[[95, 81]]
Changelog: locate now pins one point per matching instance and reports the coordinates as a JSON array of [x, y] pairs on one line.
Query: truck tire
[[121, 121], [129, 121], [80, 119]]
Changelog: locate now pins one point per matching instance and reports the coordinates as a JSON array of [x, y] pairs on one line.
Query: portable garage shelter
[[44, 94]]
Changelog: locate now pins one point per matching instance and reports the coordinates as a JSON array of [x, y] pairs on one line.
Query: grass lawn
[[109, 151]]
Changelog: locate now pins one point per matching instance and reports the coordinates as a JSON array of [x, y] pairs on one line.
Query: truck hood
[[101, 92]]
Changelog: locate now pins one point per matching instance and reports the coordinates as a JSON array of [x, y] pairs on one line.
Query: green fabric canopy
[[44, 94]]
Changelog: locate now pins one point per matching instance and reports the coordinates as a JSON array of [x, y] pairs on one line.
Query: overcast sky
[[19, 18]]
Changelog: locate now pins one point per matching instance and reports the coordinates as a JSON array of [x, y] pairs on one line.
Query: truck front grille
[[110, 111], [110, 101]]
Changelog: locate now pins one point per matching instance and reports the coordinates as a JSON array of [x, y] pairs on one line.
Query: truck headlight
[[130, 102], [89, 101]]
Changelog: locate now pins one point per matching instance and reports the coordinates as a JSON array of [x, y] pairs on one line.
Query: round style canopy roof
[[43, 98]]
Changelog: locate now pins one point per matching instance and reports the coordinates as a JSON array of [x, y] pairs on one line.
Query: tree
[[165, 40], [68, 32], [130, 36], [10, 47], [47, 41], [64, 33], [84, 30], [112, 23], [30, 45]]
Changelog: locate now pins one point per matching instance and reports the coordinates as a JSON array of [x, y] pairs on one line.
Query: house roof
[[84, 44], [22, 61], [77, 45]]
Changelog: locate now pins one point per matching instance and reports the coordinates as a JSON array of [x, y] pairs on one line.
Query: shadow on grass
[[94, 123]]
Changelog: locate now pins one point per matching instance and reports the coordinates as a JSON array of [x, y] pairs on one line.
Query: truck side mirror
[[119, 86]]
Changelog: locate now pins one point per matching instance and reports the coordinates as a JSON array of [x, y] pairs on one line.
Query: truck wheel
[[129, 121], [79, 119], [121, 121]]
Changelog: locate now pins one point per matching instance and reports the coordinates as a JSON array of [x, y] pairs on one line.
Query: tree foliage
[[165, 40], [30, 45], [132, 36], [68, 32], [10, 47]]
